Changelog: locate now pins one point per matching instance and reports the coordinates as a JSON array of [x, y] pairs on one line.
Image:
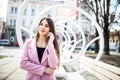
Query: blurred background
[[111, 26]]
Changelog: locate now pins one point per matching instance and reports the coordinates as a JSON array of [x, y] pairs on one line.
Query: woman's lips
[[42, 30]]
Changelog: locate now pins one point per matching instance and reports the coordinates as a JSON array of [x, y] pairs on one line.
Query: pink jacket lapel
[[34, 51], [35, 54]]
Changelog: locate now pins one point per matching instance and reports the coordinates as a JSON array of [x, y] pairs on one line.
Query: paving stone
[[20, 71], [2, 76], [16, 77]]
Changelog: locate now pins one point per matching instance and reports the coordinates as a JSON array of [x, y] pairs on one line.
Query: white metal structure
[[68, 46]]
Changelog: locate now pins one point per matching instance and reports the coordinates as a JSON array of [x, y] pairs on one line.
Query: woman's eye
[[41, 24], [46, 26]]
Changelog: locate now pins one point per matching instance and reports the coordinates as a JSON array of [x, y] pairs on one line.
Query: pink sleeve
[[27, 65], [52, 57]]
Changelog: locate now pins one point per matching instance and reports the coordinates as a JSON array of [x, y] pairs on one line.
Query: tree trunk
[[105, 27], [96, 43], [106, 41], [96, 32], [106, 35]]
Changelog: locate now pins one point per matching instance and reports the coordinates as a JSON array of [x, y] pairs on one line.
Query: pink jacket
[[31, 64]]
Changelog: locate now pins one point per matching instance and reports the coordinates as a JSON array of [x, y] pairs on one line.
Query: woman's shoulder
[[29, 40]]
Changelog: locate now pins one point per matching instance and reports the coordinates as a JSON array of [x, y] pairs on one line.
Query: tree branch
[[101, 11], [88, 6], [103, 7], [112, 16], [96, 4]]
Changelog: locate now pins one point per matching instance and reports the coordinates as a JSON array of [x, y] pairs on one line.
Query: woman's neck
[[41, 42], [42, 39]]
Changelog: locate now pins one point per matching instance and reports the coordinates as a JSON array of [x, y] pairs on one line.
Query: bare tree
[[104, 14]]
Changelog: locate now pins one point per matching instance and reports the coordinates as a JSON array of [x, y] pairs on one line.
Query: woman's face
[[44, 28]]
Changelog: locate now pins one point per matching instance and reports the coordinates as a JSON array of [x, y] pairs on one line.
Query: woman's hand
[[49, 70], [50, 34]]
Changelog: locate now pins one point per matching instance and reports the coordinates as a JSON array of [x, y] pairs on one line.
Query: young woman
[[41, 54]]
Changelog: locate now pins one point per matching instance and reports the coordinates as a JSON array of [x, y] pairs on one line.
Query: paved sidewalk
[[9, 65]]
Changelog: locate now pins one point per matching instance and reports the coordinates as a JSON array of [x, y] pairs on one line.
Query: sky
[[116, 26], [3, 9]]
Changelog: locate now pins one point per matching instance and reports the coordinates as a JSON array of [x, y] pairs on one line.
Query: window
[[23, 23], [14, 22], [10, 22], [33, 12], [13, 10], [25, 12]]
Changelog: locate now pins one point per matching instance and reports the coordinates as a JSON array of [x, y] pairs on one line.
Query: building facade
[[34, 7]]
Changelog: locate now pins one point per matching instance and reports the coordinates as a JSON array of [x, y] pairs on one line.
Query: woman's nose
[[42, 26]]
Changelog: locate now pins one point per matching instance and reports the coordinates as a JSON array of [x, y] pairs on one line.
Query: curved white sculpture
[[68, 46]]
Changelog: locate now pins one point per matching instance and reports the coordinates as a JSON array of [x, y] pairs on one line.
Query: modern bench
[[63, 75], [100, 69]]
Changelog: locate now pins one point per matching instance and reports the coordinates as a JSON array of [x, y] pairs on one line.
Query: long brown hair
[[52, 29]]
